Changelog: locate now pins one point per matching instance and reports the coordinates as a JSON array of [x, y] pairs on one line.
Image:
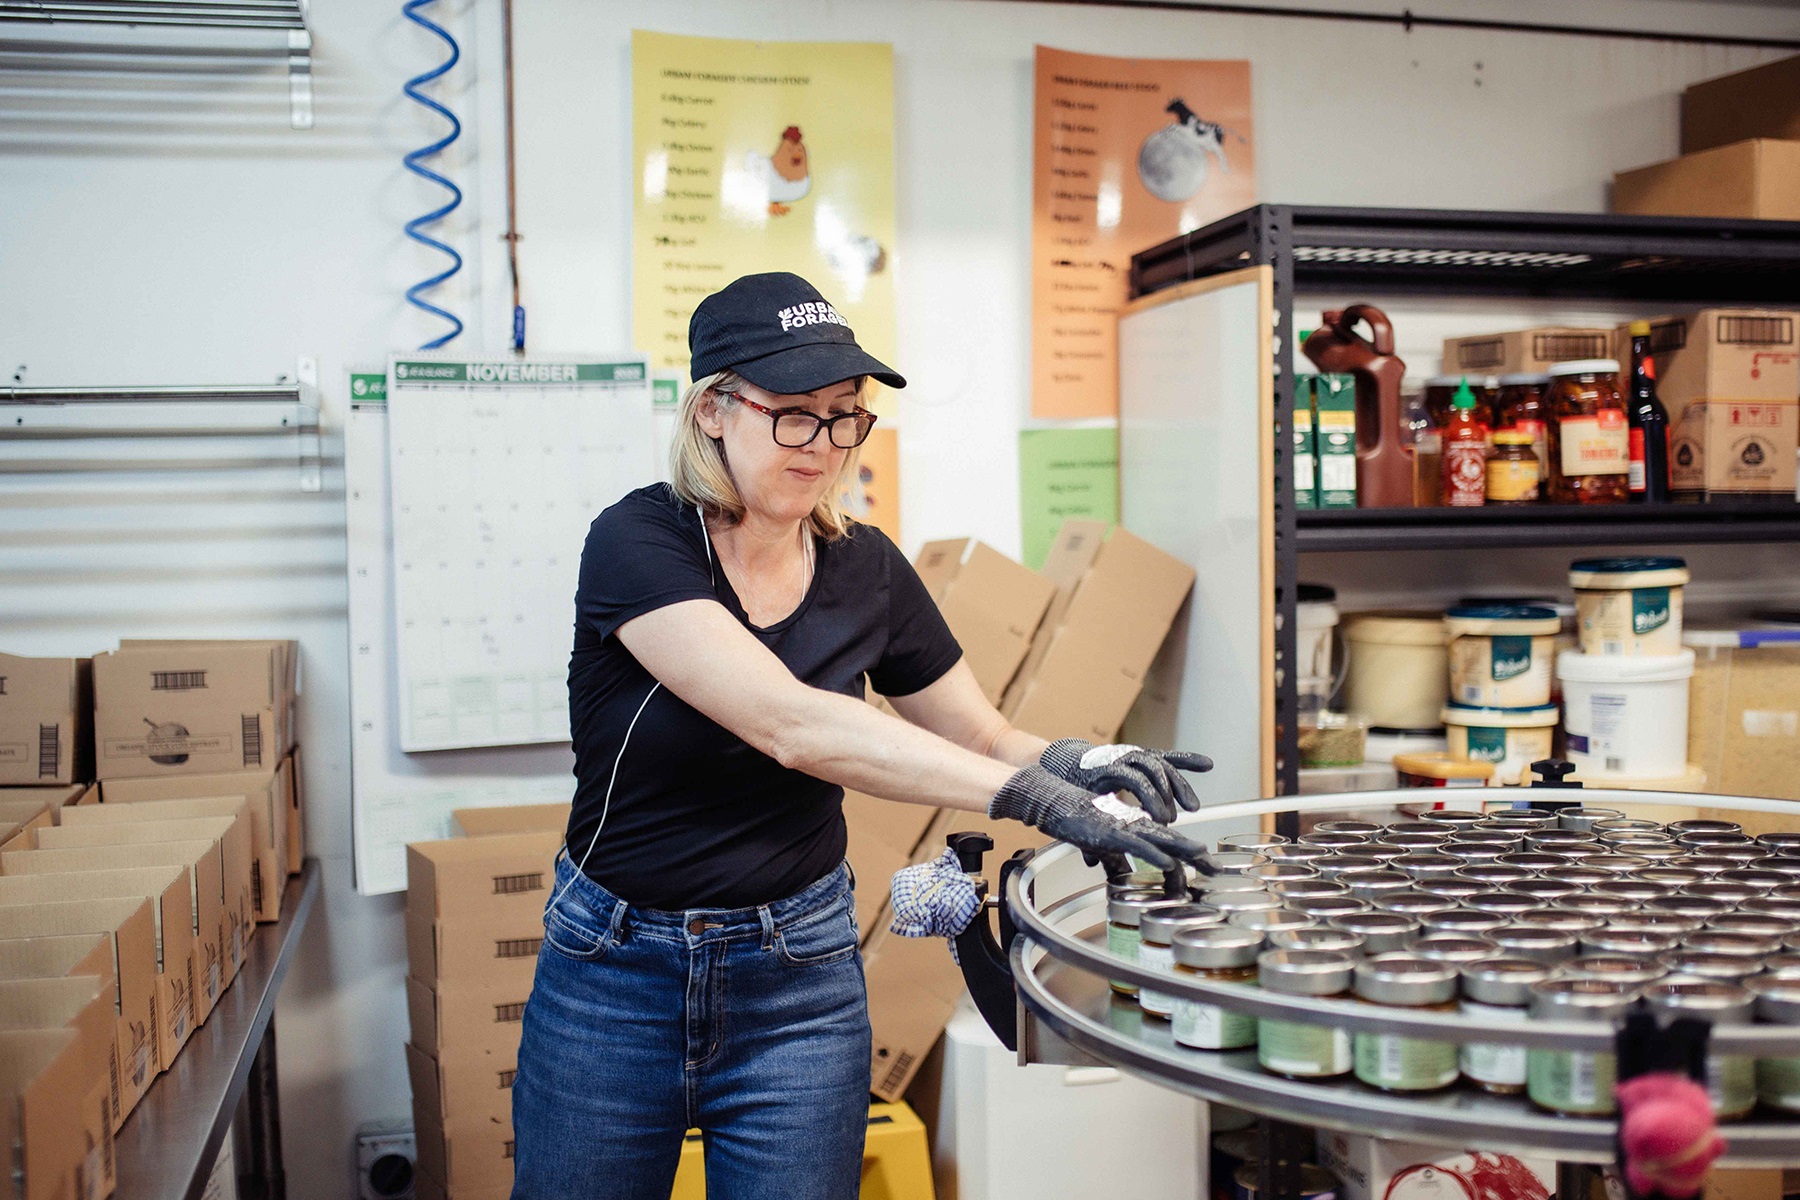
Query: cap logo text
[[813, 312]]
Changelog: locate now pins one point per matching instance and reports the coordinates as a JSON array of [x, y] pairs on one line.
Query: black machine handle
[[1553, 773], [983, 959]]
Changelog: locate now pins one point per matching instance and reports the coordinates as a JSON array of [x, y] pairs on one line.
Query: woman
[[699, 966]]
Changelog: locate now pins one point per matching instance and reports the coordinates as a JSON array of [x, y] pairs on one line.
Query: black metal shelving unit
[[1378, 252]]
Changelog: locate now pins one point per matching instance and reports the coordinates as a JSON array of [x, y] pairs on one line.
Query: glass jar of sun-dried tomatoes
[[1590, 437]]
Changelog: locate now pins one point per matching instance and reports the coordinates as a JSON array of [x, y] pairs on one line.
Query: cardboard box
[[169, 889], [1725, 448], [1762, 102], [498, 953], [56, 1137], [1334, 409], [129, 926], [427, 1188], [503, 878], [195, 708], [512, 818], [71, 956], [467, 1021], [462, 1086], [286, 650], [219, 948], [238, 852], [1373, 1168], [1744, 721], [1114, 624], [913, 988], [992, 604], [82, 1003], [203, 879], [46, 720], [1741, 354], [271, 795], [1757, 179], [1522, 350], [466, 1155]]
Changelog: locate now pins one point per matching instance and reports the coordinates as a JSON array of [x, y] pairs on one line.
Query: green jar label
[[1294, 1048], [1571, 1081], [1492, 1062], [1510, 657], [1778, 1082], [1406, 1064], [1487, 745], [1209, 1027], [1123, 940], [1731, 1084], [1649, 609]]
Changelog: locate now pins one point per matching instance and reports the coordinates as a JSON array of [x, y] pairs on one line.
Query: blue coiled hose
[[416, 225]]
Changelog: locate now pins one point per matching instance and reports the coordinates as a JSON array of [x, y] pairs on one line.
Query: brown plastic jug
[[1383, 467]]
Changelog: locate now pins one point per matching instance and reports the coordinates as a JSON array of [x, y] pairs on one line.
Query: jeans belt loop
[[616, 930], [768, 926]]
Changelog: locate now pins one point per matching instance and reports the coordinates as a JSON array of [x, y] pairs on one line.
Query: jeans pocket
[[575, 931], [825, 935]]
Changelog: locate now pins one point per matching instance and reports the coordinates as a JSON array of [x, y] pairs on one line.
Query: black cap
[[778, 332]]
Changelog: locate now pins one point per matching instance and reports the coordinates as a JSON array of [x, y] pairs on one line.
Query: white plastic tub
[[1399, 668], [1626, 716], [1510, 738], [1501, 654], [1629, 606]]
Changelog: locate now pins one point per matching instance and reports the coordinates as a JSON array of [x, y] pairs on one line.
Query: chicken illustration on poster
[[1127, 153], [761, 156]]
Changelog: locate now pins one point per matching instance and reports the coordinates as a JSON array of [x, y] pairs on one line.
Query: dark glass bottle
[[1649, 473]]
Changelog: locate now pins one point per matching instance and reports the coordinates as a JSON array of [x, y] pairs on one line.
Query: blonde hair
[[700, 475]]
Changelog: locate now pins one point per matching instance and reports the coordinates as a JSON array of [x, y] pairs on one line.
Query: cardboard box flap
[[938, 562], [1132, 587], [174, 829], [998, 585], [514, 818], [55, 957], [468, 874]]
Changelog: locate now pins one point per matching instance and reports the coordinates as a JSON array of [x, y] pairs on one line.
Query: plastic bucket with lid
[[1629, 606], [1509, 738], [1315, 620], [1500, 654], [1399, 668], [1627, 716]]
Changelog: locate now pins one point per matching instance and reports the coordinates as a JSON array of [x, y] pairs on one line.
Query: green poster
[[1065, 473]]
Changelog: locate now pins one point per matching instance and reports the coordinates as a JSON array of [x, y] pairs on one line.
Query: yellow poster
[[1126, 153], [761, 156]]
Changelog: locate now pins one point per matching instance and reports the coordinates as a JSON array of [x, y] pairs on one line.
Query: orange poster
[[1126, 153]]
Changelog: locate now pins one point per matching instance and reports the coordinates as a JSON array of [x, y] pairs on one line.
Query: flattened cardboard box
[[237, 848], [81, 1003], [512, 818], [992, 604], [270, 795], [70, 956], [218, 948], [461, 1086], [46, 720], [498, 953], [129, 927], [170, 890], [457, 1022], [505, 877], [197, 709], [59, 1138]]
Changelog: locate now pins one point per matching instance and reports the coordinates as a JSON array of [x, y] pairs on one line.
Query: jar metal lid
[[1126, 907], [1347, 826], [1695, 824], [1583, 819], [1454, 889], [1212, 885], [1462, 921], [1777, 999], [1305, 972], [1405, 979], [1534, 861], [1616, 863], [1327, 906], [1216, 946], [1530, 941], [1741, 945], [1503, 902], [1494, 874], [1709, 865], [1578, 998], [1459, 819], [1414, 901], [1660, 922], [1290, 889], [1774, 906], [1711, 841], [1236, 862], [1270, 919], [1332, 839], [1525, 379], [1453, 947], [1782, 842], [1255, 843], [1435, 828], [1316, 937], [1724, 1003], [1688, 906], [1755, 923], [1627, 825], [1581, 874], [1557, 835], [1428, 866], [1717, 888], [1411, 843], [1380, 931], [1564, 919], [1637, 890], [1756, 877], [1596, 904], [1614, 968], [1373, 882], [1474, 853], [1633, 943], [1545, 889], [1784, 864], [1485, 834], [1539, 818], [1675, 877], [1295, 853], [1656, 852], [1502, 981], [1271, 871], [1585, 366], [1158, 925], [1334, 866], [1709, 965], [1236, 902]]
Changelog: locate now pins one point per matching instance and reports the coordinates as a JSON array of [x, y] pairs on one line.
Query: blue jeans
[[750, 1024]]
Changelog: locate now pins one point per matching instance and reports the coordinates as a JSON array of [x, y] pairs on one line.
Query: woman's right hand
[[1096, 825]]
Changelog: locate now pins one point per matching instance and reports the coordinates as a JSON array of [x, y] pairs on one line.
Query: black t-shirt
[[698, 817]]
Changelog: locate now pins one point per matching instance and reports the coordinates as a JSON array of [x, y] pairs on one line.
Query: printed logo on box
[[15, 752]]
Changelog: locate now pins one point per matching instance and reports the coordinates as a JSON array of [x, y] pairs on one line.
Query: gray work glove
[[1153, 776], [1098, 826]]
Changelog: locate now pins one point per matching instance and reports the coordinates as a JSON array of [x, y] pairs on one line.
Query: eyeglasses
[[795, 427]]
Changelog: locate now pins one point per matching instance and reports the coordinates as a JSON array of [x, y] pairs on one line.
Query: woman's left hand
[[1153, 777]]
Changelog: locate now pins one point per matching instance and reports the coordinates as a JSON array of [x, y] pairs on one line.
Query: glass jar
[[1216, 954], [1512, 469], [1498, 989], [1304, 1049], [1381, 932], [1524, 407], [1590, 436], [1730, 1078], [1122, 915], [1156, 928], [1778, 1079], [1392, 1062], [1575, 1082]]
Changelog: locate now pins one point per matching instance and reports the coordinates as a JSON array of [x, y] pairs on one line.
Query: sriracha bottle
[[1465, 452]]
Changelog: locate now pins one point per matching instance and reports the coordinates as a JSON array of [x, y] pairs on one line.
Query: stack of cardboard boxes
[[474, 922], [122, 924]]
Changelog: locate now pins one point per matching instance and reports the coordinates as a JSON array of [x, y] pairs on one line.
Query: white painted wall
[[158, 231]]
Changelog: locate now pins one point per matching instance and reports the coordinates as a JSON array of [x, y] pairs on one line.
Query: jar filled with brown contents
[[1512, 469], [1590, 435], [1524, 407]]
